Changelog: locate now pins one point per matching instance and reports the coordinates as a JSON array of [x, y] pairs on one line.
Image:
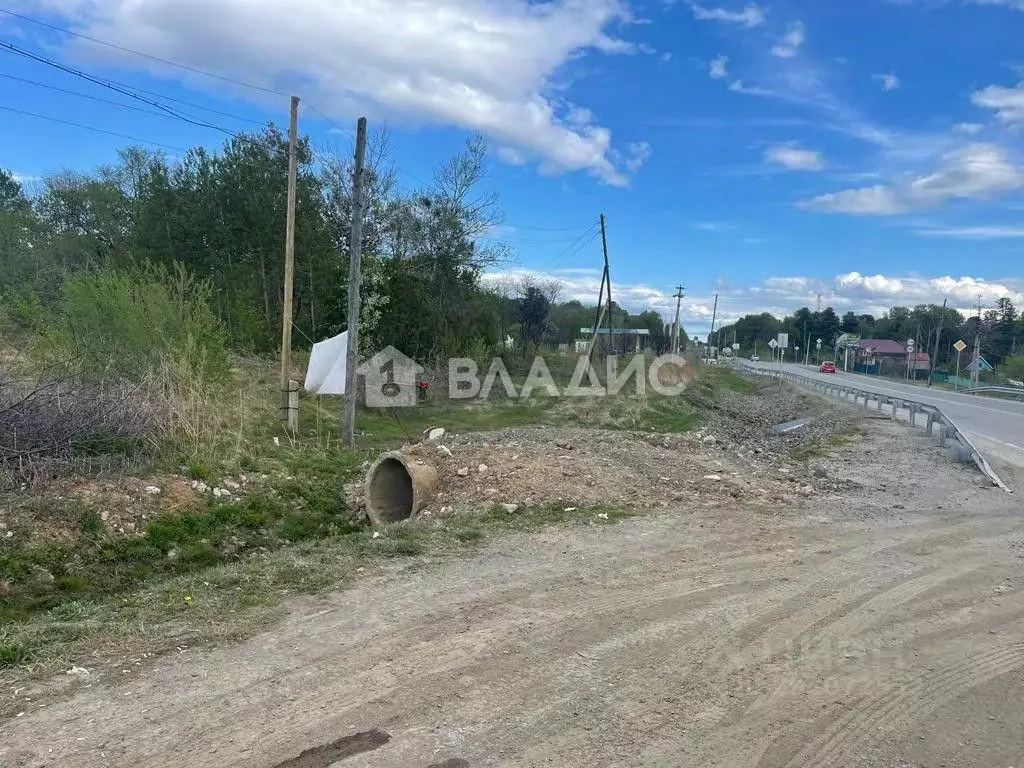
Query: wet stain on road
[[323, 756], [454, 762]]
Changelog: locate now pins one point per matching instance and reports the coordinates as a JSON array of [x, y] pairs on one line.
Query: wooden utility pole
[[938, 335], [355, 265], [675, 333], [714, 317], [976, 373], [601, 308], [287, 412], [608, 277]]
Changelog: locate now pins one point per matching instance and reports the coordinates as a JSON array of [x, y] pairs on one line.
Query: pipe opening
[[391, 495]]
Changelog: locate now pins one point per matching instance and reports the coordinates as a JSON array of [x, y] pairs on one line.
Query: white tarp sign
[[326, 372]]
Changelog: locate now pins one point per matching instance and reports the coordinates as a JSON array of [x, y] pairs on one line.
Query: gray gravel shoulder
[[880, 624]]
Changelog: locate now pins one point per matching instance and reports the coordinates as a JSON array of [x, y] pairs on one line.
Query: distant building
[[891, 358], [871, 352], [920, 361], [637, 338]]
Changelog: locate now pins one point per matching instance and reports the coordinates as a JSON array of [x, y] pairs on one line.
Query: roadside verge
[[937, 423]]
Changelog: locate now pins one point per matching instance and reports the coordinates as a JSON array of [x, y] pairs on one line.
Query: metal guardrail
[[937, 423], [1015, 391]]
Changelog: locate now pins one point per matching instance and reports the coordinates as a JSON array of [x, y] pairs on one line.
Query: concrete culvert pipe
[[397, 488]]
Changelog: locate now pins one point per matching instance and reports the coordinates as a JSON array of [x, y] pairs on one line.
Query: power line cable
[[266, 165], [552, 229], [170, 63], [341, 128], [187, 68], [131, 90], [196, 106], [128, 91], [532, 241], [90, 128], [111, 84], [134, 52], [83, 95], [573, 250]]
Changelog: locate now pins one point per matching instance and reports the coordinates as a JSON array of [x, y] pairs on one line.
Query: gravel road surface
[[882, 627], [995, 426]]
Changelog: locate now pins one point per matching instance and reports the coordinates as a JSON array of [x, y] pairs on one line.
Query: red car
[[828, 367]]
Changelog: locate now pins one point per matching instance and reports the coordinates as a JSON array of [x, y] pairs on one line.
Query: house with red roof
[[891, 358], [874, 351]]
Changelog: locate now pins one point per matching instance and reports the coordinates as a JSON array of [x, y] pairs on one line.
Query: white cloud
[[984, 232], [752, 14], [976, 171], [718, 68], [795, 158], [970, 129], [789, 45], [1016, 5], [737, 86], [1007, 102], [484, 65], [637, 154], [873, 284], [877, 200], [511, 156], [889, 81], [782, 295]]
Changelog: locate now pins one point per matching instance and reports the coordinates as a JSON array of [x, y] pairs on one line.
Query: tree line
[[1001, 329], [218, 217]]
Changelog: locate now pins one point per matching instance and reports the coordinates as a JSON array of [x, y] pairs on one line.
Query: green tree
[[1013, 367]]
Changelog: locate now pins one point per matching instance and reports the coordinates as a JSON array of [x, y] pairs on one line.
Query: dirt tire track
[[711, 637]]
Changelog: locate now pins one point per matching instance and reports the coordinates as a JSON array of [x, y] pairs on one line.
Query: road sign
[[960, 346], [783, 340], [910, 344], [773, 344], [735, 347], [981, 364]]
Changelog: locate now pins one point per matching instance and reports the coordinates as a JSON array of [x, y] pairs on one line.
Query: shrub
[[125, 362], [1013, 367], [117, 324], [62, 416]]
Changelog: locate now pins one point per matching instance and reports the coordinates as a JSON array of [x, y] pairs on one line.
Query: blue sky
[[869, 152]]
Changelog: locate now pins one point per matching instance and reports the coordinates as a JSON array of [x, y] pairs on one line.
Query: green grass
[[536, 517], [306, 504], [384, 426], [220, 570], [826, 445], [228, 597]]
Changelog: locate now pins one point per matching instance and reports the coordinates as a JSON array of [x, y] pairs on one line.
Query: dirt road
[[881, 628]]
